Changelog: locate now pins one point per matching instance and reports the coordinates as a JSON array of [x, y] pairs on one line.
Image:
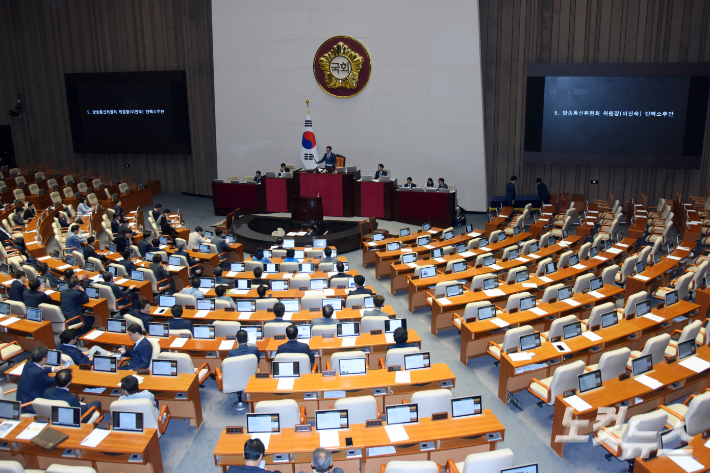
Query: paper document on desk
[[429, 247], [244, 316], [289, 315], [653, 317], [348, 341], [615, 251], [561, 347], [396, 433], [527, 284], [379, 451], [371, 243], [329, 439], [389, 337], [686, 462], [264, 437], [683, 248], [287, 276], [49, 291], [578, 403], [43, 258], [31, 431], [485, 248], [600, 258], [641, 277], [405, 250], [402, 377], [285, 384], [121, 281], [239, 292], [17, 371], [579, 266], [200, 314], [179, 342], [623, 245], [440, 260], [591, 336], [161, 310], [596, 294], [94, 390], [563, 243], [96, 278], [499, 322], [175, 269], [524, 260], [677, 258], [6, 427], [432, 231], [474, 234], [467, 254], [204, 290], [412, 265], [648, 381], [495, 267], [695, 364], [64, 266], [537, 311], [443, 301], [545, 279], [494, 293], [94, 438], [524, 356], [9, 321], [8, 282], [226, 345], [534, 256], [571, 302]]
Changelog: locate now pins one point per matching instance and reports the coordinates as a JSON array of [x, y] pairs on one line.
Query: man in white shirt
[[196, 239]]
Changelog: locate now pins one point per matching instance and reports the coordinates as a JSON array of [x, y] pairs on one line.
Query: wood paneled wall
[[40, 40], [516, 33]]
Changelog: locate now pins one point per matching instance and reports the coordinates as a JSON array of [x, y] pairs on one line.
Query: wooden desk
[[374, 198], [454, 438], [110, 456], [370, 249], [583, 349], [614, 392], [498, 223], [639, 215], [666, 465], [137, 198], [590, 220], [416, 208], [689, 225], [288, 294], [28, 334], [658, 275], [328, 389]]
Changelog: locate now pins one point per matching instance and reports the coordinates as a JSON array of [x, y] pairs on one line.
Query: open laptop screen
[[402, 414], [466, 406], [352, 366], [158, 330], [572, 330], [336, 304], [609, 319], [589, 380], [686, 349], [641, 365], [34, 315], [66, 416], [393, 324], [487, 312], [106, 364], [427, 272], [530, 341], [292, 305], [164, 368], [285, 369], [348, 329], [166, 301], [204, 332], [246, 306], [332, 419], [417, 361], [9, 409], [263, 423], [128, 421]]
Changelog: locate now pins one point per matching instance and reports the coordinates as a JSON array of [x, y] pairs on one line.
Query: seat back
[[43, 407], [551, 292], [11, 466], [360, 409], [275, 328], [512, 337], [595, 318], [557, 325], [514, 301], [51, 313], [656, 347], [412, 467], [30, 272], [540, 270], [526, 247], [563, 262], [582, 283], [185, 299], [690, 331], [236, 371], [308, 302], [130, 320], [683, 284], [105, 292], [395, 356], [494, 236], [479, 280], [184, 361], [613, 363], [288, 267], [418, 269], [225, 328], [643, 254], [697, 417], [512, 274], [627, 268], [287, 409], [584, 251], [565, 378], [432, 402], [304, 362], [335, 282], [250, 265], [544, 239], [630, 307], [493, 461], [265, 304], [144, 406], [299, 281], [325, 267], [642, 429], [609, 274], [344, 355], [450, 264], [370, 323]]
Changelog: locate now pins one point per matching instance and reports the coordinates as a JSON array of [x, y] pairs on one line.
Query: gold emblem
[[341, 66]]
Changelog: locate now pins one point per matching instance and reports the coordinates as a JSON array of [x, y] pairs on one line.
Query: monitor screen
[[9, 409], [596, 284], [158, 330], [207, 283], [461, 247], [551, 241], [332, 419], [403, 232], [106, 364], [5, 308], [271, 268], [643, 308], [466, 406], [449, 235], [369, 302], [71, 260], [348, 329], [128, 421], [641, 365], [529, 342], [291, 305], [174, 261], [279, 285], [289, 243], [572, 330], [320, 243], [113, 270], [522, 276], [421, 241], [426, 226], [336, 304], [686, 349], [393, 246], [378, 236], [204, 332], [409, 258], [486, 312], [393, 324], [319, 284], [54, 357], [489, 261], [671, 298], [92, 292], [137, 275], [263, 423], [299, 254], [306, 268], [285, 369], [304, 332], [246, 306], [482, 242], [589, 380], [5, 269], [243, 284], [66, 416], [564, 293], [574, 260], [206, 249], [437, 253], [89, 266], [417, 361], [640, 266], [527, 303], [402, 414], [514, 253], [521, 469], [459, 266], [427, 272], [116, 326], [534, 247], [33, 314], [352, 366], [166, 301], [550, 268], [609, 319], [236, 267], [205, 304], [454, 290], [164, 368], [593, 252], [490, 283]]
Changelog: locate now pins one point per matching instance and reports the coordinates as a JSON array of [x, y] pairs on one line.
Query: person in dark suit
[[35, 295], [118, 209], [542, 191], [89, 251], [11, 242], [177, 322], [279, 311], [340, 268], [380, 171], [293, 345], [166, 228], [118, 291], [326, 318], [279, 244], [43, 271], [30, 212], [18, 288], [253, 452], [181, 252], [155, 213], [261, 292], [409, 183], [378, 301], [257, 281], [35, 378], [400, 339], [510, 191], [328, 158], [218, 241], [242, 347], [69, 339], [123, 227], [283, 169], [142, 313], [160, 272], [219, 280], [115, 224], [16, 218], [63, 221], [142, 352], [127, 263], [144, 246], [60, 392], [442, 184], [328, 256], [71, 302], [257, 177], [359, 286]]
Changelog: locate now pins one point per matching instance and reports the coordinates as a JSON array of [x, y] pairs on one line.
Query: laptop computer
[[319, 284], [486, 312], [425, 240], [393, 324], [92, 292], [236, 267], [534, 247], [304, 332], [394, 246], [54, 357], [137, 276], [166, 301], [403, 232], [459, 266], [378, 236], [263, 423], [593, 252], [527, 303], [207, 283], [572, 330], [271, 268], [113, 270], [489, 260], [550, 267], [203, 332], [352, 366], [116, 326], [89, 266], [564, 293], [551, 241], [589, 380], [460, 248], [574, 259], [158, 330], [164, 368], [402, 414], [641, 365], [66, 416], [643, 308], [686, 349], [299, 254], [369, 302], [427, 272], [244, 284], [61, 286], [466, 406], [332, 419], [490, 283], [9, 410], [246, 306], [306, 268], [449, 235], [522, 276], [127, 421], [530, 341], [417, 361], [34, 314], [105, 364], [291, 305], [5, 269], [532, 468], [336, 304], [596, 284], [609, 319], [454, 290], [285, 369], [204, 249], [348, 329], [514, 253], [640, 266], [279, 285], [671, 298], [71, 260], [205, 304], [483, 241], [112, 247], [174, 261]]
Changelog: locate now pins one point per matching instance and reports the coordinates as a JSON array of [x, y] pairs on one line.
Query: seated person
[[177, 322], [142, 352], [193, 289], [129, 388], [261, 291], [43, 271], [155, 245], [83, 207], [69, 339], [293, 345], [340, 268], [123, 226], [160, 272], [430, 182], [144, 245], [60, 392], [35, 378], [63, 220], [242, 347], [218, 279], [327, 317], [359, 286], [118, 291], [196, 238], [221, 292], [71, 301], [259, 256], [409, 183], [442, 185], [290, 256], [219, 241], [257, 177], [279, 310], [123, 242], [257, 281], [283, 169], [74, 240], [126, 261], [35, 295], [253, 453], [17, 220], [400, 339], [89, 251], [328, 256], [18, 288], [279, 244], [30, 212], [379, 302], [380, 171], [142, 313], [322, 462]]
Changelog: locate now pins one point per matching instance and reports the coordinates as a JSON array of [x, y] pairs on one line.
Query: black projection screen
[[129, 112], [632, 115]]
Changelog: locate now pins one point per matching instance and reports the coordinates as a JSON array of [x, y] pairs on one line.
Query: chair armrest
[[616, 453], [674, 414], [495, 344], [124, 361], [450, 467], [303, 414], [427, 297], [535, 380], [90, 412], [163, 418], [314, 370], [381, 365], [382, 468], [327, 365], [544, 336], [676, 333], [7, 345], [218, 377], [10, 391], [209, 371], [69, 322], [690, 398], [27, 404]]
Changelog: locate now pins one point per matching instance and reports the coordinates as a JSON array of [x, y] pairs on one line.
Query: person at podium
[[283, 169], [409, 183], [380, 171], [328, 159]]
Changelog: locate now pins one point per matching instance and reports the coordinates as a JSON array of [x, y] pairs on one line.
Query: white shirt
[[194, 240]]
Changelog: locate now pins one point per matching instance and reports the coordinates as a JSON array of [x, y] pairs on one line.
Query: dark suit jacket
[[401, 345], [118, 291], [115, 226], [443, 186], [71, 302], [118, 210], [63, 223], [121, 243], [17, 290], [144, 247], [410, 185], [89, 252], [159, 271], [140, 355], [33, 382], [510, 192], [155, 214], [543, 193], [190, 261], [247, 469], [60, 394], [257, 179], [29, 214], [324, 321], [35, 298], [379, 173], [74, 353], [145, 318], [329, 160], [179, 324], [122, 230], [339, 275], [129, 265], [294, 346], [360, 290], [244, 350]]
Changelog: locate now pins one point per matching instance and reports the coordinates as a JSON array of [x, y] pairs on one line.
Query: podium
[[307, 209]]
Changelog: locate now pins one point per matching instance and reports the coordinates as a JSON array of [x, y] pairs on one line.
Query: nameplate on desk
[[230, 309], [671, 359], [270, 309], [310, 395], [426, 446], [143, 371], [184, 335], [231, 337], [394, 368], [315, 309], [280, 337], [328, 335], [303, 428], [624, 376], [356, 307], [440, 416], [262, 375], [190, 307], [340, 287], [235, 430], [84, 366], [470, 319], [379, 391], [373, 423], [416, 277], [327, 373], [375, 332]]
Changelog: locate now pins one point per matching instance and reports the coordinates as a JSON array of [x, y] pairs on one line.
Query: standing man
[[510, 191], [118, 209], [156, 212], [328, 158], [542, 191], [380, 171]]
